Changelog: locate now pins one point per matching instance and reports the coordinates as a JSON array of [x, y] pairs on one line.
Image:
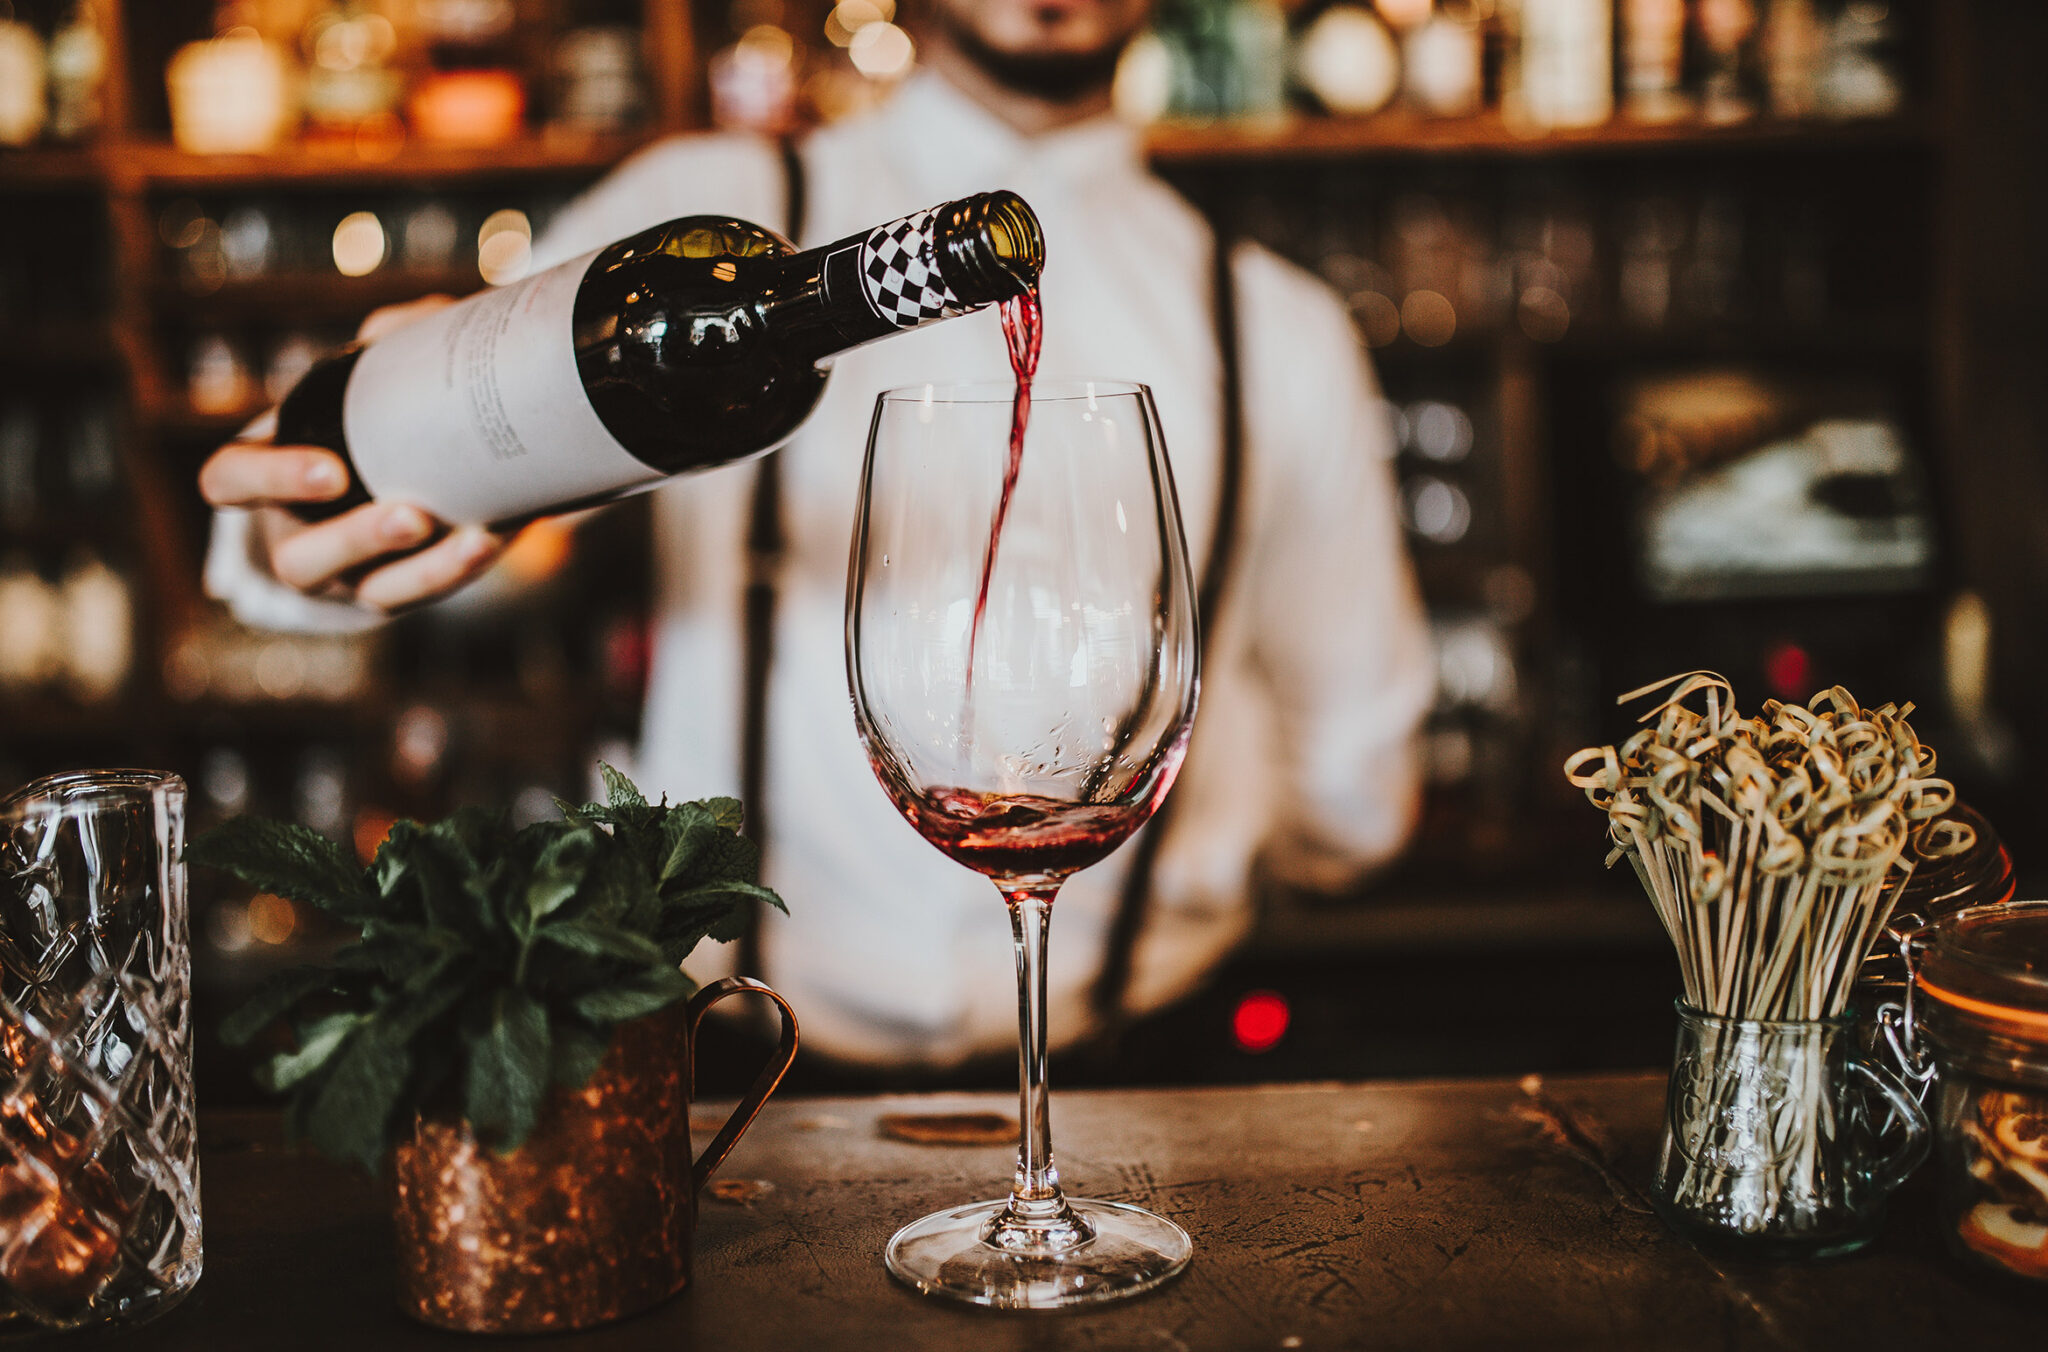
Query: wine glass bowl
[[1083, 685], [1026, 706]]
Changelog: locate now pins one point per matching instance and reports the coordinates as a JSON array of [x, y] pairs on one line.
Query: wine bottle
[[685, 346]]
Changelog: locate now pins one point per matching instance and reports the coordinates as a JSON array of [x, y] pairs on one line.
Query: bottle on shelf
[[1792, 39], [31, 627], [1561, 74], [98, 616], [22, 75], [78, 64], [1726, 28], [473, 95], [1653, 60], [688, 345], [21, 489], [1443, 72]]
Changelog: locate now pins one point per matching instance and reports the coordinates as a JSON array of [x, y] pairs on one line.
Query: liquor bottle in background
[[1792, 40], [21, 495], [1653, 60], [1349, 60], [31, 626], [1726, 27], [1443, 70], [78, 64], [92, 458], [474, 94], [98, 616], [22, 76], [1563, 72], [688, 345]]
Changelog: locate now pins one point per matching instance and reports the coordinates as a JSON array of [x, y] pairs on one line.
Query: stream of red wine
[[1023, 334]]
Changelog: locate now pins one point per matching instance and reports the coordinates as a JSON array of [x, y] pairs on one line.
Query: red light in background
[[1789, 672], [1260, 1021]]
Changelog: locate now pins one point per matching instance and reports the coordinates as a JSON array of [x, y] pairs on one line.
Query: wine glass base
[[1131, 1251]]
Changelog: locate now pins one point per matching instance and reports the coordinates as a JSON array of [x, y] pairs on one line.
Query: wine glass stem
[[1037, 1187]]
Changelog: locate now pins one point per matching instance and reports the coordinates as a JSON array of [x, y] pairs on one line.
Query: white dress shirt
[[1314, 682]]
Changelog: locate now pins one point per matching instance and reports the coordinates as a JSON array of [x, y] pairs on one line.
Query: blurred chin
[[1053, 48]]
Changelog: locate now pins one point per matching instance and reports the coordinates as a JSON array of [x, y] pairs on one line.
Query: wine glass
[[1026, 737]]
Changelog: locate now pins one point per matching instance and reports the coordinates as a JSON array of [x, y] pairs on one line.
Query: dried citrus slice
[[2024, 1136], [2017, 1245]]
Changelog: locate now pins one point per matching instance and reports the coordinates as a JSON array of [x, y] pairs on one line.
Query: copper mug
[[592, 1218]]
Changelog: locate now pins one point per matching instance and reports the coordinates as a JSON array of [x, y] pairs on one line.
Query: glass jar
[[1780, 1141], [1982, 997], [1979, 876]]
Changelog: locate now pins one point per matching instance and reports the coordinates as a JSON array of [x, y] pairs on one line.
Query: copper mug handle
[[764, 1084]]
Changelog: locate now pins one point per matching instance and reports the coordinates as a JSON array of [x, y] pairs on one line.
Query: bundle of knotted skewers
[[1772, 847]]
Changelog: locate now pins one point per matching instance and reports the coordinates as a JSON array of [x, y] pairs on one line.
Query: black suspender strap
[[763, 557], [1113, 982]]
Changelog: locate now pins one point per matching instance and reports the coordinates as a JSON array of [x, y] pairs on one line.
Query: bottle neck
[[928, 266]]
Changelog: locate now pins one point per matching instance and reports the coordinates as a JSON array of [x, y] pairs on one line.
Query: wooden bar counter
[[1447, 1214]]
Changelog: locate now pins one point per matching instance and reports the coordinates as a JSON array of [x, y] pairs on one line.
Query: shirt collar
[[948, 145]]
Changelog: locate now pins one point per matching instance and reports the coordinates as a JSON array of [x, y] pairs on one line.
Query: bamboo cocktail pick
[[1774, 847]]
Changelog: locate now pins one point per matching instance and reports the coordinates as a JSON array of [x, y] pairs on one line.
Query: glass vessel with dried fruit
[[1982, 997]]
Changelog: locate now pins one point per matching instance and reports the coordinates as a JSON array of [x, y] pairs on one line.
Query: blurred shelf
[[1610, 341], [36, 718], [178, 417], [58, 527], [150, 163], [41, 345], [1520, 915], [55, 167], [313, 163], [1400, 133], [310, 297]]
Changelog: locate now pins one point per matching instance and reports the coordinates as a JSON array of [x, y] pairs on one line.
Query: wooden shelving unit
[[133, 169], [136, 164], [1400, 134], [121, 180]]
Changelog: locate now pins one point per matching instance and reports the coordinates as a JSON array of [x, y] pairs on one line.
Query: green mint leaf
[[577, 1052], [508, 1070], [559, 873], [318, 1041], [597, 940], [491, 963], [655, 988], [428, 995], [619, 891], [620, 791], [352, 1111], [290, 860], [272, 1001], [719, 911], [719, 856], [477, 835], [727, 893]]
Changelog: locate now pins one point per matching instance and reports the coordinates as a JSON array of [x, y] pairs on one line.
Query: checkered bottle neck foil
[[899, 272]]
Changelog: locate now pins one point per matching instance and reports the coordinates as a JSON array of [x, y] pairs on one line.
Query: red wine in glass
[[1019, 835]]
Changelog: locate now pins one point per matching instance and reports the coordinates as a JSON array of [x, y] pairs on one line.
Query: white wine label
[[477, 412], [900, 273]]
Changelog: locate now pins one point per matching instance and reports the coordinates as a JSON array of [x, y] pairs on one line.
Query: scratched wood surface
[[1477, 1214]]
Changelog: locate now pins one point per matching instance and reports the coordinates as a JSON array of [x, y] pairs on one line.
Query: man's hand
[[329, 559]]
